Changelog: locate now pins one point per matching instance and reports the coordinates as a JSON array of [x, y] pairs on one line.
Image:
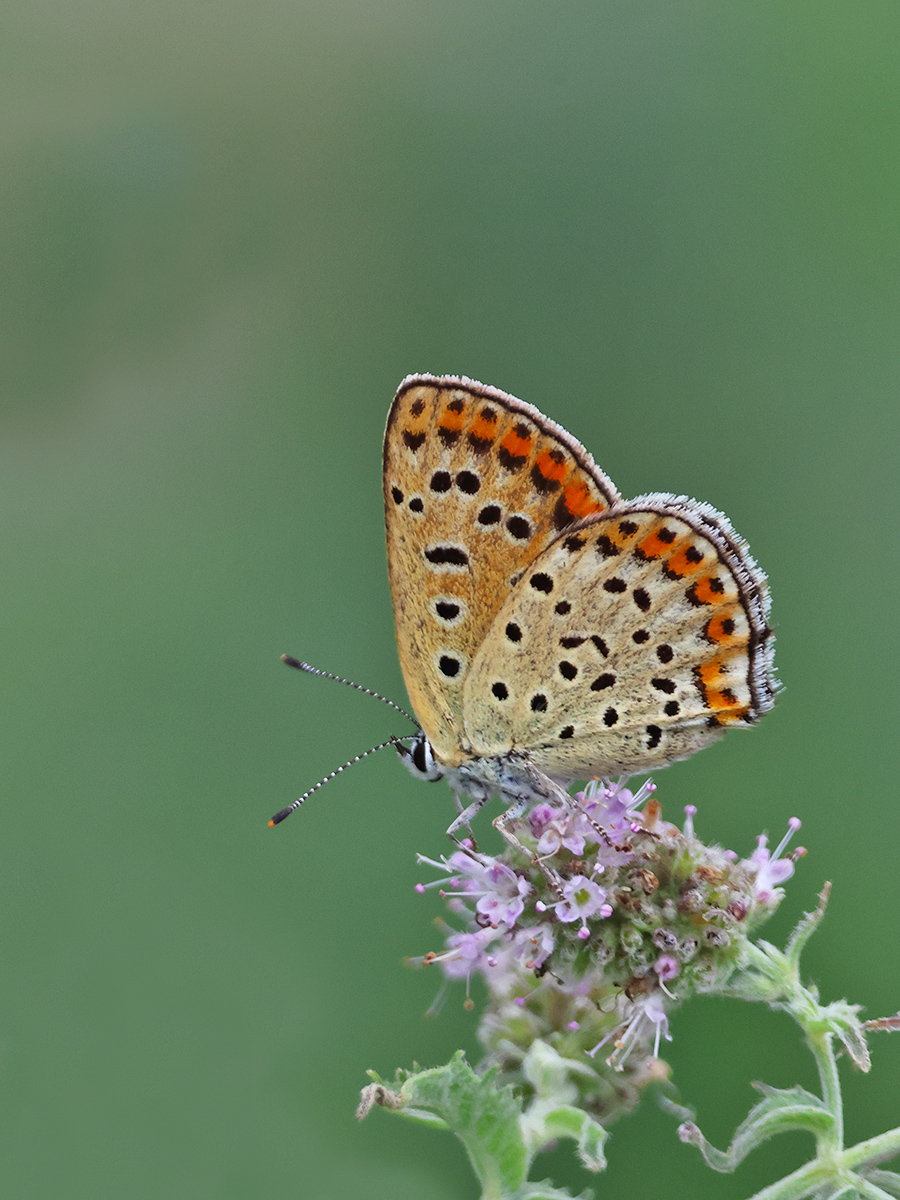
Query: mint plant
[[597, 921]]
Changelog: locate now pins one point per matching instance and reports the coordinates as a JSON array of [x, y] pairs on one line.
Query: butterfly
[[548, 630]]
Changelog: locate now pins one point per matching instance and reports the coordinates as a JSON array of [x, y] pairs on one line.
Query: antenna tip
[[279, 817], [290, 661]]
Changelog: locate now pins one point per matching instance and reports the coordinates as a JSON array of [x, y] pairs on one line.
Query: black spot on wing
[[519, 527], [641, 599], [451, 556], [606, 680]]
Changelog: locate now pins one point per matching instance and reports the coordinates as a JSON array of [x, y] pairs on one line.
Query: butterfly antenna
[[302, 666], [286, 812]]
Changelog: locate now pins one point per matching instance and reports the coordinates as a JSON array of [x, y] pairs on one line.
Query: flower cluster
[[589, 938]]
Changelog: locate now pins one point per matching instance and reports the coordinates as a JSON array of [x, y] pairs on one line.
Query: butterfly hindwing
[[639, 635], [477, 485]]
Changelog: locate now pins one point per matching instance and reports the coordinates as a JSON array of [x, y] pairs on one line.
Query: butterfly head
[[419, 758]]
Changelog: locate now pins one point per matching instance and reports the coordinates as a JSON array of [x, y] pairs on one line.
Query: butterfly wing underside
[[636, 638], [477, 484]]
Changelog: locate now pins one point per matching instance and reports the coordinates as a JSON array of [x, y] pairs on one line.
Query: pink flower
[[771, 869], [502, 900], [582, 898]]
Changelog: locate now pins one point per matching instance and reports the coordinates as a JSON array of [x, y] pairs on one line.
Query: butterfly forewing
[[643, 636], [477, 485]]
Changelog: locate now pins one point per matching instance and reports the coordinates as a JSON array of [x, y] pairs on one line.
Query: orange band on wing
[[482, 429], [686, 562], [579, 501], [710, 672], [655, 546], [517, 446], [720, 630], [709, 590], [451, 419], [549, 466], [725, 706]]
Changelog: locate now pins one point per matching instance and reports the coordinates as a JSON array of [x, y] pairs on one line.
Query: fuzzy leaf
[[806, 927], [546, 1191], [483, 1115], [568, 1121], [851, 1031], [550, 1074], [553, 1113], [838, 1191], [888, 1181], [778, 1111]]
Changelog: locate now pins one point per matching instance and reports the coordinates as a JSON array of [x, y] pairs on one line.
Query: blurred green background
[[227, 231]]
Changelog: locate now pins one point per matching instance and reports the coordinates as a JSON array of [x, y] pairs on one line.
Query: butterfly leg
[[501, 823], [465, 815], [464, 819]]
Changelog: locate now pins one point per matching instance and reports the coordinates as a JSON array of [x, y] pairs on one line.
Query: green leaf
[[806, 927], [553, 1113], [842, 1019], [546, 1191], [778, 1111], [888, 1181], [846, 1190], [482, 1114], [590, 1137]]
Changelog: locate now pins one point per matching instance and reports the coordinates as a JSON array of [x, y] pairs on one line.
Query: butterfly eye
[[419, 759]]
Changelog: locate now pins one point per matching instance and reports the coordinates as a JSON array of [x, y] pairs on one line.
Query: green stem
[[875, 1149], [799, 1183], [822, 1046], [801, 1004], [869, 1191]]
